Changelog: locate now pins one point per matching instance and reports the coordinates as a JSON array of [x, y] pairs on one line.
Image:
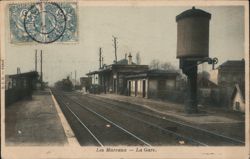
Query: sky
[[151, 31]]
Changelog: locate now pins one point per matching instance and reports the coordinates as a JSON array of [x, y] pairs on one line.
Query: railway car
[[65, 84]]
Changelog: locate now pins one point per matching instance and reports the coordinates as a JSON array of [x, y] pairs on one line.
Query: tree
[[138, 58], [155, 64], [203, 75], [167, 66]]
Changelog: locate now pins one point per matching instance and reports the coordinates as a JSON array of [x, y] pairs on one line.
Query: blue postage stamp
[[43, 22]]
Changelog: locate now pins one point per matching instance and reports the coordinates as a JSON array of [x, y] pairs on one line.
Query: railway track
[[98, 126], [149, 133], [210, 136], [171, 132]]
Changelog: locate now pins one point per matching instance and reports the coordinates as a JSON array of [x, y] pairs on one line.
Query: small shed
[[238, 98]]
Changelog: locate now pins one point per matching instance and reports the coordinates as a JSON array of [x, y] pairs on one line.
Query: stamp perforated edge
[[34, 43]]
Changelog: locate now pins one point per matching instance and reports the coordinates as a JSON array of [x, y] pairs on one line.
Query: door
[[129, 88], [115, 84], [144, 88]]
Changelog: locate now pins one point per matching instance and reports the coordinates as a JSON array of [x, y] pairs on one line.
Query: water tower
[[193, 49]]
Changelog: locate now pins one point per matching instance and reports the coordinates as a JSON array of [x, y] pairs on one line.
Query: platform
[[34, 122]]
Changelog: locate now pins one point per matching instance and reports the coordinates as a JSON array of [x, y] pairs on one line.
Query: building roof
[[26, 74], [123, 62], [233, 63], [85, 77], [206, 83], [193, 13], [154, 73], [120, 68]]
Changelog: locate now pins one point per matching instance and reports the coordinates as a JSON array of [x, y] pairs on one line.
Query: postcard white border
[[162, 152]]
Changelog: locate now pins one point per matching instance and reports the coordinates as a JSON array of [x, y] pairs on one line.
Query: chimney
[[130, 59]]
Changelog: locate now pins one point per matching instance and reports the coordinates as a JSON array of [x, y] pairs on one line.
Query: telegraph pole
[[41, 55], [41, 67], [75, 78], [36, 60], [102, 61], [18, 70], [115, 47], [100, 58]]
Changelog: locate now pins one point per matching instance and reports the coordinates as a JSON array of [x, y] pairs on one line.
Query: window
[[25, 85], [14, 83], [237, 105], [161, 84]]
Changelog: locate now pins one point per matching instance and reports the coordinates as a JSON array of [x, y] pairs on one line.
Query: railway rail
[[177, 131], [231, 140], [99, 139]]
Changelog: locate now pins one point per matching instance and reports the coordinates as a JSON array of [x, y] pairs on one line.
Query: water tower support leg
[[191, 105], [189, 68]]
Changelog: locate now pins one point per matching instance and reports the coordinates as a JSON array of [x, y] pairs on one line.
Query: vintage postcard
[[124, 79]]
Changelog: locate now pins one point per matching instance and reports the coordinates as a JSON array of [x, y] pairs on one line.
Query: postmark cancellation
[[43, 22]]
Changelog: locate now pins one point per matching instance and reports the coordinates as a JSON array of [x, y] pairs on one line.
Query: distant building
[[152, 84], [238, 98], [231, 73], [228, 73], [226, 76]]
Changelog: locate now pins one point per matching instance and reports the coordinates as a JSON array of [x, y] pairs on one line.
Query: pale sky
[[152, 31]]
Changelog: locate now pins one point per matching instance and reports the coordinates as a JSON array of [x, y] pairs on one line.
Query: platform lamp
[[193, 49]]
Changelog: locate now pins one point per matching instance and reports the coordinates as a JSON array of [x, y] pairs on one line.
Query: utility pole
[[36, 60], [115, 46], [41, 57], [102, 61], [18, 70], [75, 78], [100, 58]]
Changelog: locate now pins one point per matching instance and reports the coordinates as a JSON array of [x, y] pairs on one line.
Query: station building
[[152, 83], [128, 78], [112, 77]]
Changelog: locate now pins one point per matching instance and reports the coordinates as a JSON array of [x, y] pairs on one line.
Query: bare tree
[[154, 64], [138, 58], [158, 65], [167, 66]]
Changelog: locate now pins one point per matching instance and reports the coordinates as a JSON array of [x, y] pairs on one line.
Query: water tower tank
[[193, 33]]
